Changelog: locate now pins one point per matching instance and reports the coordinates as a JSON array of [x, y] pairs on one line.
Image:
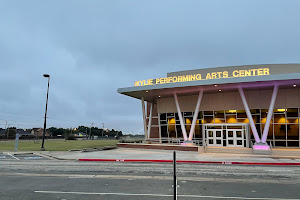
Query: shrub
[[70, 137]]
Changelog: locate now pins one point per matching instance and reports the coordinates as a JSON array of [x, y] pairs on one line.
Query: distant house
[[23, 133], [38, 132], [2, 132], [80, 135]]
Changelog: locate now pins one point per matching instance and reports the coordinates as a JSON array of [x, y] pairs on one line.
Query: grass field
[[59, 145]]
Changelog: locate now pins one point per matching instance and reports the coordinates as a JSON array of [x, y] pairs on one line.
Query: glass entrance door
[[215, 137], [235, 137]]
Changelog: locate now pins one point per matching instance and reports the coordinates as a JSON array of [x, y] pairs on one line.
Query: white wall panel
[[207, 102], [238, 101], [253, 99], [161, 106], [229, 101], [265, 98], [292, 98], [280, 100], [218, 101]]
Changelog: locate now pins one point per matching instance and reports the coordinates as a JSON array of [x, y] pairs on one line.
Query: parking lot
[[21, 156]]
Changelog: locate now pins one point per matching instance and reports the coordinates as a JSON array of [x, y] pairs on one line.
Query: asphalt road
[[42, 178]]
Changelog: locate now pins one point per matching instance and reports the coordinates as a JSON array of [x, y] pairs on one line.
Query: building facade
[[241, 106]]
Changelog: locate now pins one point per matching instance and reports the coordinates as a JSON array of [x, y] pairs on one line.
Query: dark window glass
[[208, 119], [198, 131], [270, 132], [179, 131], [279, 131], [188, 114], [256, 118], [163, 122], [164, 131], [163, 116], [170, 114], [292, 112], [280, 143], [293, 143], [264, 113], [241, 114], [255, 111], [279, 118], [200, 114], [219, 114], [293, 132], [208, 113]]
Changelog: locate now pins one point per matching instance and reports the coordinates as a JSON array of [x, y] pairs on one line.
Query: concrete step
[[157, 146], [231, 150], [286, 151]]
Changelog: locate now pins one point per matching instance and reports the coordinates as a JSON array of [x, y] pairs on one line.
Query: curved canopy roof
[[215, 79]]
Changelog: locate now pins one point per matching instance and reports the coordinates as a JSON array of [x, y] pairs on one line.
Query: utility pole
[[45, 119], [7, 127], [92, 124], [6, 130], [102, 129]]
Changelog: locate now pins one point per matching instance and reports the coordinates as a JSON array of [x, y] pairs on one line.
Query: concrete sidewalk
[[145, 154]]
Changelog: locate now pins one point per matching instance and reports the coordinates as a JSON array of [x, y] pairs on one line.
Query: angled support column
[[150, 121], [159, 127], [253, 128], [180, 118], [270, 113], [144, 118], [192, 131]]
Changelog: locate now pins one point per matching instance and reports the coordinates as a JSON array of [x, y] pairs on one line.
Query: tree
[[57, 131], [11, 132]]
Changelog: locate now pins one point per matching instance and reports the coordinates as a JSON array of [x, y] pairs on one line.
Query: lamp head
[[46, 75]]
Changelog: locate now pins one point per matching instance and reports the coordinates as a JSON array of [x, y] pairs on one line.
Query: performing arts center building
[[255, 106]]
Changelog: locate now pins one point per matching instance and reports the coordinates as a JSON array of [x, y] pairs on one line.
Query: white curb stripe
[[159, 195]]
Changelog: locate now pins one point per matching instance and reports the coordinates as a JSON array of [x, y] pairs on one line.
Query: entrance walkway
[[145, 154]]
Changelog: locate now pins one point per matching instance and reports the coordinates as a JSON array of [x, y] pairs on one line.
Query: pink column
[[150, 121], [144, 117], [251, 122], [180, 117], [192, 131], [270, 113]]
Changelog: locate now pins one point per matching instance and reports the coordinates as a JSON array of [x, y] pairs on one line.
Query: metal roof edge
[[232, 66], [211, 82]]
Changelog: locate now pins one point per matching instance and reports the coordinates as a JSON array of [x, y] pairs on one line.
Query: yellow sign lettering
[[266, 71], [209, 75], [235, 73], [225, 74]]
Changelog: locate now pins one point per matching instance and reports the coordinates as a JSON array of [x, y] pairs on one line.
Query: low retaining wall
[[158, 146]]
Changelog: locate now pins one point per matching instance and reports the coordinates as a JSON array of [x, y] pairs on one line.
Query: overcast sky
[[91, 48]]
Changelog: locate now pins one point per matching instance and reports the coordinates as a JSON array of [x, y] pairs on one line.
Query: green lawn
[[59, 145]]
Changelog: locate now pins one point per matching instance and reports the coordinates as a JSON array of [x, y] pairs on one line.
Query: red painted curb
[[185, 161]]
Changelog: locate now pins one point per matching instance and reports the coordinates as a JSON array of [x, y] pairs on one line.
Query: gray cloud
[[91, 48]]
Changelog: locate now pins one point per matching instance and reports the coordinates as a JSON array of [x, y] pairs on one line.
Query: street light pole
[[44, 131]]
